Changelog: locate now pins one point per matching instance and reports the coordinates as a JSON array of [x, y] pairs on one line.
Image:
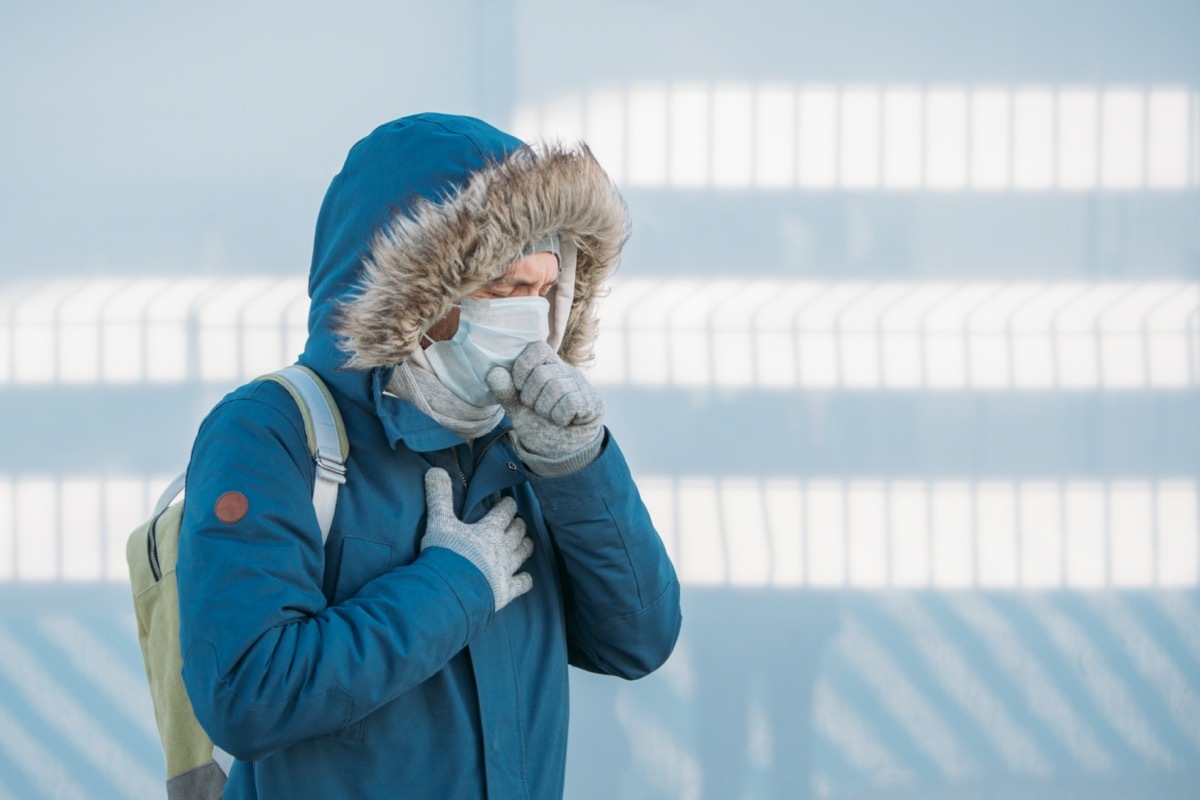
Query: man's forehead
[[541, 267], [519, 279]]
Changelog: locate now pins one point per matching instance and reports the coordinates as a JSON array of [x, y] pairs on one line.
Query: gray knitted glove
[[496, 544], [557, 416]]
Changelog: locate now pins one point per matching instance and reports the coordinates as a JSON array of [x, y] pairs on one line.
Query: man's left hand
[[555, 411]]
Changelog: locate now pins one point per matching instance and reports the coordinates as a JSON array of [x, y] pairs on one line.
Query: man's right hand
[[496, 544]]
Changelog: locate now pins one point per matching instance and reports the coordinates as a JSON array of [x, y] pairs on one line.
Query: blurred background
[[904, 353]]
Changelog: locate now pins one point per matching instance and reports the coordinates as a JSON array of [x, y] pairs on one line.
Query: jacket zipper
[[478, 461], [487, 447], [458, 466]]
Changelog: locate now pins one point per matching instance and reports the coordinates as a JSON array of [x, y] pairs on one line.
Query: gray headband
[[548, 245]]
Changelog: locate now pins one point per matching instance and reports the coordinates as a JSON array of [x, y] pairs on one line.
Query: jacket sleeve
[[620, 589], [266, 662]]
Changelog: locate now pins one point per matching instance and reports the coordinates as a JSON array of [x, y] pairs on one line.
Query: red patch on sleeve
[[231, 507]]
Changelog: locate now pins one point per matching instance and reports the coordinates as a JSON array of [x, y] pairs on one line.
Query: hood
[[431, 208]]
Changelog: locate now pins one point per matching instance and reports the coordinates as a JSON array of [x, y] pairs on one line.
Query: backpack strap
[[326, 433], [169, 494], [327, 442]]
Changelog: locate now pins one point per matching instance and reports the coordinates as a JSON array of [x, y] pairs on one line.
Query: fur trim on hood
[[433, 254]]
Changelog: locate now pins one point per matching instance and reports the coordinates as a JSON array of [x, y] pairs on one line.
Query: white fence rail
[[871, 137], [769, 334]]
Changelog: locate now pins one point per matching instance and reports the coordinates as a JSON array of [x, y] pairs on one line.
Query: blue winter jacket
[[366, 668]]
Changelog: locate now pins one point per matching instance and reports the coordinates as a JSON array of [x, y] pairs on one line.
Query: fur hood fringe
[[431, 255]]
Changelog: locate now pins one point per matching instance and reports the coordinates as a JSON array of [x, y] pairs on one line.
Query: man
[[489, 532]]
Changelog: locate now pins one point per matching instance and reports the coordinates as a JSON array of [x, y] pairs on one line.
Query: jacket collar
[[404, 422]]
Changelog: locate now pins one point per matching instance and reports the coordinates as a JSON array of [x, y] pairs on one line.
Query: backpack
[[151, 551]]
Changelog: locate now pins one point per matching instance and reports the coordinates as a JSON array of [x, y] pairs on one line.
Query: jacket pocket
[[362, 561]]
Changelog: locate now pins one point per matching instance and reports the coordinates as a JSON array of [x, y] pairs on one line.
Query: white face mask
[[491, 333]]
